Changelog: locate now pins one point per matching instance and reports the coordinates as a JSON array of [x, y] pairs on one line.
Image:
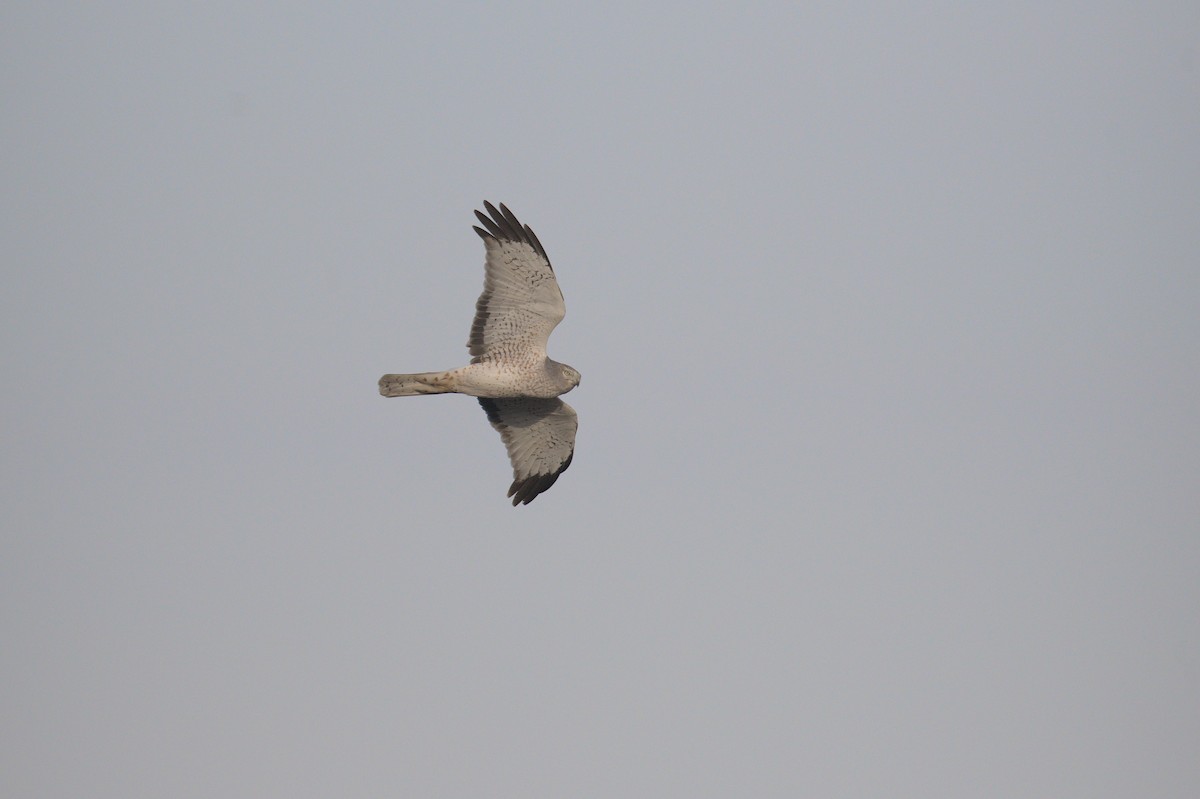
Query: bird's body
[[485, 379], [516, 383]]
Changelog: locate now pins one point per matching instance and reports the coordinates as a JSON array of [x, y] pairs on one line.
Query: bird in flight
[[517, 384]]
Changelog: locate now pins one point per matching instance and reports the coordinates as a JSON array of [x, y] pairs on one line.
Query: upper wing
[[521, 302], [539, 435]]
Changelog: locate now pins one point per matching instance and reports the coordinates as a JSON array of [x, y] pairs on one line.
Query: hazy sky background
[[888, 470]]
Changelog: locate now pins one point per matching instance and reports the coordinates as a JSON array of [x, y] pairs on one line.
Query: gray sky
[[888, 470]]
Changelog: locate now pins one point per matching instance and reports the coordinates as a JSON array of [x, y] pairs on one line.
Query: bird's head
[[571, 376]]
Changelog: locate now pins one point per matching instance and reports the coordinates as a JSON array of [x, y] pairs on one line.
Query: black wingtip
[[503, 225], [525, 491]]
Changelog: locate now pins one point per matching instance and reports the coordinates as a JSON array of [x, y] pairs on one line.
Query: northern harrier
[[515, 382]]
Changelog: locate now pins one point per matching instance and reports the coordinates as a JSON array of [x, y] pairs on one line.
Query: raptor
[[517, 384]]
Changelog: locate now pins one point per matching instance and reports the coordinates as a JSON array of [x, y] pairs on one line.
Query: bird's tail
[[415, 385]]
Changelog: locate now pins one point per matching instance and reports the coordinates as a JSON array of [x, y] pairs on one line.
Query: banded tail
[[415, 385]]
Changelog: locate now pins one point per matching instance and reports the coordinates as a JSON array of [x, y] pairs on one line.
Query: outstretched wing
[[539, 435], [521, 302]]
